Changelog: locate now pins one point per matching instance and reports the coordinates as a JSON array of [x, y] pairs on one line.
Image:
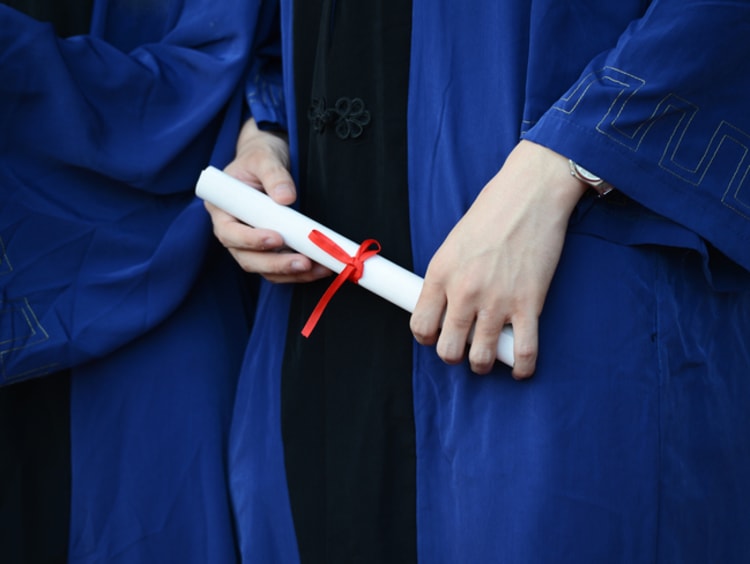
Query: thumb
[[277, 182], [282, 191]]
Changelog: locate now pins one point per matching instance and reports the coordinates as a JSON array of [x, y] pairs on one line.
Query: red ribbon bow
[[353, 270]]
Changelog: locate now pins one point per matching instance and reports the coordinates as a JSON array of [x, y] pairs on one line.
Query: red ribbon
[[353, 270]]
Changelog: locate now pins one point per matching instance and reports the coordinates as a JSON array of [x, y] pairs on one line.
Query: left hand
[[262, 161], [496, 265]]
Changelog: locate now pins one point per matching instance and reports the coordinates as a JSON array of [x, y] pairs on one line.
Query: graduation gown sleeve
[[103, 138], [264, 88], [662, 115]]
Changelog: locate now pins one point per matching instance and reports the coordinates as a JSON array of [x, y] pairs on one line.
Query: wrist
[[589, 179], [557, 186]]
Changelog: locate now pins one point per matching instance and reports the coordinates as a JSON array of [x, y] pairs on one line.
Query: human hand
[[496, 265], [262, 161]]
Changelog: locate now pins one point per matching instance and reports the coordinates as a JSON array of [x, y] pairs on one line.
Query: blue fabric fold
[[108, 266], [630, 442], [104, 136]]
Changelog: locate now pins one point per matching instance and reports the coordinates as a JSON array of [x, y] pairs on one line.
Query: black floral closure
[[348, 116]]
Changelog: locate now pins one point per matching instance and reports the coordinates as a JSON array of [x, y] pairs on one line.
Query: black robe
[[346, 409]]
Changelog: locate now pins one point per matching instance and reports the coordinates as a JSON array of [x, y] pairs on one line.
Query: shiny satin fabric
[[109, 269], [630, 442]]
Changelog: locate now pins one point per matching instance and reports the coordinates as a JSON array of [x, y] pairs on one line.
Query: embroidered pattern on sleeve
[[723, 159]]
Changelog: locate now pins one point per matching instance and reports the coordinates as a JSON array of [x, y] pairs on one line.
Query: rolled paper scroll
[[380, 276]]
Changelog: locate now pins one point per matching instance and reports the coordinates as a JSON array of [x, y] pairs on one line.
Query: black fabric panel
[[69, 17], [35, 470], [347, 413]]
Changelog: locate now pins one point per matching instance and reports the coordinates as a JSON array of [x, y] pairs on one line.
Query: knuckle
[[526, 353], [491, 317], [481, 357], [422, 332], [416, 326], [462, 322], [450, 352], [525, 362]]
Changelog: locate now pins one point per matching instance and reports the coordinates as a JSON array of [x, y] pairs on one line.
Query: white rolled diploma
[[380, 276]]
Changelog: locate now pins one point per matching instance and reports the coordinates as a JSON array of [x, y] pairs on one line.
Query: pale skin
[[262, 161], [494, 268]]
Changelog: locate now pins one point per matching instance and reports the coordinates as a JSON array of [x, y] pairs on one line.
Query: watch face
[[603, 188], [587, 176]]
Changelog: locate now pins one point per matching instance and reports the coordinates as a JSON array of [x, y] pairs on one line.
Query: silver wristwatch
[[602, 187]]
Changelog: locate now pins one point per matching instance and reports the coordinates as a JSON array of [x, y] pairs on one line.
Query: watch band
[[601, 187]]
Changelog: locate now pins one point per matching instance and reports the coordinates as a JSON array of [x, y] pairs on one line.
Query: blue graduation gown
[[630, 444], [109, 269]]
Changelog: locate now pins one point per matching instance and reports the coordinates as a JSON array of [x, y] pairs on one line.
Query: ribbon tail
[[312, 321]]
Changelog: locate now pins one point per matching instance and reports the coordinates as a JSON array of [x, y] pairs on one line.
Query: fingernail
[[284, 191], [319, 269], [297, 266]]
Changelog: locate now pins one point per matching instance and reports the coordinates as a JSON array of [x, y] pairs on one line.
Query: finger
[[454, 334], [317, 272], [234, 234], [217, 214], [483, 349], [264, 169], [428, 313], [280, 267], [525, 346], [229, 230], [278, 184], [283, 193]]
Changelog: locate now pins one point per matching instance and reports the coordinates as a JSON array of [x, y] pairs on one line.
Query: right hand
[[262, 161], [496, 265]]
